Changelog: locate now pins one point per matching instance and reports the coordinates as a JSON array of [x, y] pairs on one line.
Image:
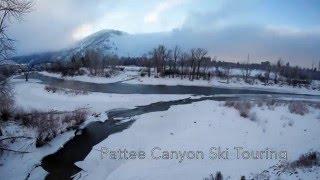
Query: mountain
[[113, 42], [101, 41]]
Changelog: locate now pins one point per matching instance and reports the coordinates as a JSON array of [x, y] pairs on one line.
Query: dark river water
[[61, 164]]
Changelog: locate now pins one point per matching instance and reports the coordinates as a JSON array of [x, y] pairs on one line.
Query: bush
[[298, 108], [218, 176], [6, 100], [5, 114], [51, 89], [75, 118], [50, 124], [307, 160], [143, 74], [242, 106], [66, 91]]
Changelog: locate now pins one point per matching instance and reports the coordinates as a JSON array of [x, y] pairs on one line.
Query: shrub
[[253, 116], [51, 89], [75, 118], [298, 108], [218, 176], [143, 74], [50, 124], [6, 101], [242, 106], [307, 160], [271, 103]]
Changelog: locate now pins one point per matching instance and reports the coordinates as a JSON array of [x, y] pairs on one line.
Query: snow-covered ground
[[216, 82], [200, 127], [32, 95], [193, 127], [128, 73]]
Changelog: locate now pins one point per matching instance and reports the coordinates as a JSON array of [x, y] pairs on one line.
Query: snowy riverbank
[[131, 75]]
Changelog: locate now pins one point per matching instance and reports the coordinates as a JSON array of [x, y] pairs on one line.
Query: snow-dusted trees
[[10, 9]]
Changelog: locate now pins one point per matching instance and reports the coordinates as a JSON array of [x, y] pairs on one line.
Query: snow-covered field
[[129, 73], [32, 95], [197, 127], [202, 126]]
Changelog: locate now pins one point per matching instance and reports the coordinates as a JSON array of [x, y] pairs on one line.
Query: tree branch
[[16, 137], [11, 150]]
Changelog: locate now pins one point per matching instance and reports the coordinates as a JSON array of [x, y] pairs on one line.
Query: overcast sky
[[230, 29]]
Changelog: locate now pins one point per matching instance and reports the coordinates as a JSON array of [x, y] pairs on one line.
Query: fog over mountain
[[267, 30], [230, 44]]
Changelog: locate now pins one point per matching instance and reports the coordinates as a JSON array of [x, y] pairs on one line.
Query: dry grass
[[307, 160], [53, 89], [218, 176], [298, 108], [50, 124], [304, 162], [243, 107]]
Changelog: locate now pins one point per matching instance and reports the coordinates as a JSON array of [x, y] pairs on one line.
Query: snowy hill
[[117, 43], [101, 41]]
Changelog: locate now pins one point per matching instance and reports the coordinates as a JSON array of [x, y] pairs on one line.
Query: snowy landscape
[[159, 101]]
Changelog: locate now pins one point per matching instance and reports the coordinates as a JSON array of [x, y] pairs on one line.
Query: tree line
[[193, 64]]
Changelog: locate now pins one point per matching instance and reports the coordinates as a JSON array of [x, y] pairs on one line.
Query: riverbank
[[33, 96], [132, 75]]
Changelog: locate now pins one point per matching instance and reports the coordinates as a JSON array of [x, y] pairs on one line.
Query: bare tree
[[94, 60], [183, 63], [277, 70], [10, 9], [267, 74], [246, 71], [227, 72], [197, 56], [160, 56], [176, 56], [6, 98], [206, 65]]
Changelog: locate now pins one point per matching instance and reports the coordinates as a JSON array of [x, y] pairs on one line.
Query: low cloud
[[228, 29], [159, 9], [233, 43]]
